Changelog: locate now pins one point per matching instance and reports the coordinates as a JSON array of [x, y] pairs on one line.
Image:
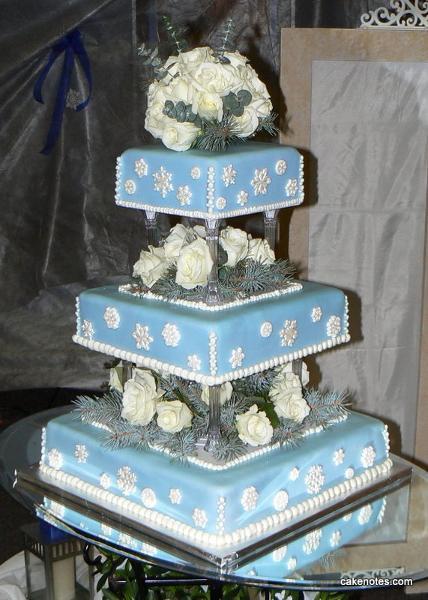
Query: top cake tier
[[247, 178]]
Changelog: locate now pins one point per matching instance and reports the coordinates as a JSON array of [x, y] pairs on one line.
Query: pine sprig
[[257, 384], [230, 446], [267, 124], [326, 407], [216, 136], [288, 433], [226, 42], [104, 411], [237, 405]]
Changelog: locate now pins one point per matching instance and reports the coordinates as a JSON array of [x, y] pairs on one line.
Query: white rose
[[235, 242], [261, 106], [254, 428], [178, 136], [286, 394], [173, 416], [236, 59], [288, 368], [211, 77], [181, 88], [200, 231], [247, 123], [139, 398], [208, 105], [251, 81], [193, 57], [260, 251], [151, 265], [175, 241], [155, 119], [226, 391], [194, 265]]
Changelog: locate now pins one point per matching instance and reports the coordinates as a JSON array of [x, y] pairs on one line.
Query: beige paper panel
[[300, 49]]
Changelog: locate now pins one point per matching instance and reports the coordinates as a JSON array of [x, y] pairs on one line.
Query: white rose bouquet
[[205, 98]]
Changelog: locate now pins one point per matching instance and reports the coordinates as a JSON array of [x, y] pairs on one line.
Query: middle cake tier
[[212, 344]]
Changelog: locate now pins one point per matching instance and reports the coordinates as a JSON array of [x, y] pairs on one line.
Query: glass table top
[[394, 548]]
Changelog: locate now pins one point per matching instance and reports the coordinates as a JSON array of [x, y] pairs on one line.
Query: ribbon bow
[[71, 45]]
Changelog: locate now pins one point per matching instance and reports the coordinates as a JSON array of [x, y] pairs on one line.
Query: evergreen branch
[[326, 407], [267, 124], [216, 136], [229, 446], [288, 433], [257, 384], [104, 411]]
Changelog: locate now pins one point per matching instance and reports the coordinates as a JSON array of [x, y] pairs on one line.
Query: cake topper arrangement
[[205, 98]]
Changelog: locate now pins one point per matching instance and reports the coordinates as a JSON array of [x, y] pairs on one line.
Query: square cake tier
[[214, 505], [247, 178], [212, 344]]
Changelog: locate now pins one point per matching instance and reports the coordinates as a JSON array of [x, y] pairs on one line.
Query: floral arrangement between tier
[[205, 98], [170, 413], [181, 266]]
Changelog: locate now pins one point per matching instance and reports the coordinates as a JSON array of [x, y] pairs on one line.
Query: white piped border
[[216, 540], [197, 214], [293, 287], [213, 379]]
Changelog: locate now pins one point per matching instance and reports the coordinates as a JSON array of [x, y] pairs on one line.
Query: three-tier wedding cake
[[210, 431]]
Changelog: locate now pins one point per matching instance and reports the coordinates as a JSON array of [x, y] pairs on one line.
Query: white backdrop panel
[[369, 136]]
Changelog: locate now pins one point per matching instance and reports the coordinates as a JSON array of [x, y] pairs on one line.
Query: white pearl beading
[[210, 191], [216, 540], [213, 378], [293, 287]]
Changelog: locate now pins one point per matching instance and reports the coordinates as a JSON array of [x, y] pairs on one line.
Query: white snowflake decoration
[[312, 541], [195, 173], [57, 509], [148, 498], [140, 167], [106, 530], [194, 362], [266, 329], [171, 335], [316, 314], [184, 194], [126, 480], [288, 333], [229, 175], [88, 330], [338, 457], [291, 187], [200, 518], [368, 457], [236, 357], [105, 481], [55, 459], [280, 167], [249, 498], [365, 514], [81, 453], [111, 317], [142, 336], [130, 187], [314, 479], [162, 182], [242, 198], [221, 203], [279, 554], [335, 538], [148, 549], [126, 540], [294, 474], [349, 473], [280, 500], [292, 563], [260, 181], [334, 326], [175, 496]]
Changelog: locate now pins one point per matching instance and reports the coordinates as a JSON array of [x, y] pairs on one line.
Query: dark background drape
[[60, 230]]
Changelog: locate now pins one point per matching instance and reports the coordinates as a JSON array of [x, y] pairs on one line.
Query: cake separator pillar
[[270, 218], [212, 233], [152, 228], [213, 435]]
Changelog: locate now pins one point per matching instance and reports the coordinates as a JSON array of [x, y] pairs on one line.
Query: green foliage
[[236, 103], [181, 112], [267, 124], [246, 279], [226, 41], [216, 136], [175, 35], [326, 408]]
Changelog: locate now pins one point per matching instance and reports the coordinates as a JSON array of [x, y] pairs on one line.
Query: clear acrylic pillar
[[213, 436], [270, 218], [152, 228], [212, 234]]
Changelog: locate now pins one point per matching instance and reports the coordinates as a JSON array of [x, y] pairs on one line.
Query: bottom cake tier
[[220, 506]]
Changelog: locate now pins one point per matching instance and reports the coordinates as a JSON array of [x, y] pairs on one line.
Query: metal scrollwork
[[407, 14]]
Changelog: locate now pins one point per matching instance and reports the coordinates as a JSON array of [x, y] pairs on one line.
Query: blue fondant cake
[[248, 178], [224, 343], [212, 504]]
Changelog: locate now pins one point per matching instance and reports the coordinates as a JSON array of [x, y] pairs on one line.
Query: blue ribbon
[[72, 46]]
